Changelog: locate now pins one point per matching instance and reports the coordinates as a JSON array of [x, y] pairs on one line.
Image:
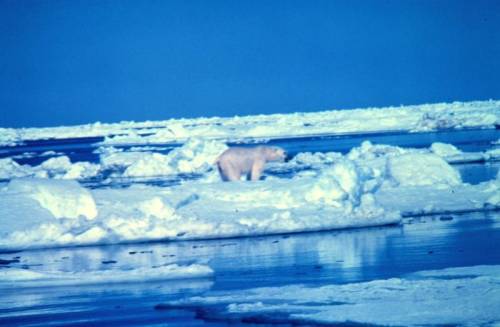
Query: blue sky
[[72, 62]]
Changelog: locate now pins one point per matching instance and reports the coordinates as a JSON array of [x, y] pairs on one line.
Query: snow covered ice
[[150, 213], [369, 186], [405, 118], [453, 296]]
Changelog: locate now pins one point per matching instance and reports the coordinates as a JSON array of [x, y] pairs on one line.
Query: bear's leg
[[222, 174], [228, 173], [257, 169], [232, 174]]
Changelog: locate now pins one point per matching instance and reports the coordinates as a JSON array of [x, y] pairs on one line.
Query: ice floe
[[63, 199], [453, 296], [192, 210], [195, 156], [372, 185], [57, 167], [422, 169], [482, 114], [17, 277]]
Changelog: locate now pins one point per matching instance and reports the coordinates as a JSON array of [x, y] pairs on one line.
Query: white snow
[[422, 169], [444, 150], [16, 277], [478, 114], [63, 199], [62, 168], [11, 169], [494, 199], [195, 155], [191, 210], [453, 296], [57, 167], [376, 155]]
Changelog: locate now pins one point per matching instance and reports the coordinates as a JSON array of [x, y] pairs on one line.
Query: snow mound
[[111, 157], [338, 185], [494, 185], [444, 149], [194, 156], [422, 169], [339, 198], [11, 169], [63, 199], [493, 154], [57, 168], [62, 168], [369, 151], [150, 164]]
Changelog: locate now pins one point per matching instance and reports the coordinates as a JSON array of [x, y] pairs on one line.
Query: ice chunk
[[369, 151], [150, 164], [308, 158], [195, 156], [57, 167], [157, 207], [326, 191], [113, 158], [11, 169], [422, 169], [335, 184], [493, 154], [63, 198], [61, 167], [494, 187], [444, 149]]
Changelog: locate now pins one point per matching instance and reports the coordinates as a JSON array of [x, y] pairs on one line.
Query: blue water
[[315, 259]]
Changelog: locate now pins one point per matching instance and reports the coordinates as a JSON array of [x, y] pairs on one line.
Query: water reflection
[[346, 256]]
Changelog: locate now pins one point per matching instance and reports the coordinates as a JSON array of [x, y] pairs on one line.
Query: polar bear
[[237, 161]]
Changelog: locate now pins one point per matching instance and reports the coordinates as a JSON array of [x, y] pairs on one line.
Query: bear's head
[[275, 153]]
